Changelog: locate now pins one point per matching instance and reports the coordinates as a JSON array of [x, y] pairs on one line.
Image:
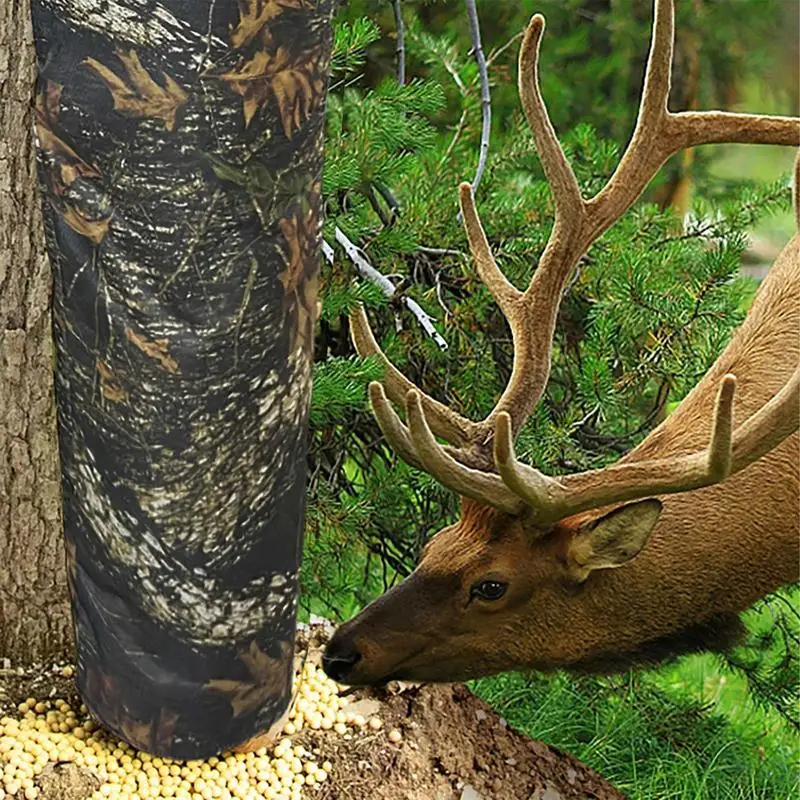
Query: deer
[[634, 564]]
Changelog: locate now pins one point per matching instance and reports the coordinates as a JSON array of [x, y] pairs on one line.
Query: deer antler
[[467, 467]]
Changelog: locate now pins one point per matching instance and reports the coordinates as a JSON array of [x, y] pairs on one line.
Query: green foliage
[[349, 46], [339, 386], [652, 304]]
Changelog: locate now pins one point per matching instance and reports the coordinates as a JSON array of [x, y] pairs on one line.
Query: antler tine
[[504, 292], [720, 448], [660, 134], [544, 495], [445, 422], [485, 487], [643, 156], [392, 426], [769, 426], [553, 499], [569, 204], [532, 314]]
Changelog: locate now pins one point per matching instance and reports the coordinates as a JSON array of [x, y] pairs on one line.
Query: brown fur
[[712, 553]]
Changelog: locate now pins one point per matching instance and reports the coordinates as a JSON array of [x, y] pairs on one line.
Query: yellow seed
[[375, 724], [49, 731]]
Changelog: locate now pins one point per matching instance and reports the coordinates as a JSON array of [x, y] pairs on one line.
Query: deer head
[[536, 565]]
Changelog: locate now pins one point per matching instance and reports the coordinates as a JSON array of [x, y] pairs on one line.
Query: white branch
[[372, 274]]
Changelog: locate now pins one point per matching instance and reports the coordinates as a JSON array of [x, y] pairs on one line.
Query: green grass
[[683, 732], [690, 730]]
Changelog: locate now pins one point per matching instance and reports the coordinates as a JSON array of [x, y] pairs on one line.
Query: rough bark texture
[[180, 150], [34, 604]]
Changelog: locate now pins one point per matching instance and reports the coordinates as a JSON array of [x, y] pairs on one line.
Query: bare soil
[[453, 747]]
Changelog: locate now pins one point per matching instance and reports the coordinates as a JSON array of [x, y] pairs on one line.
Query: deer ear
[[614, 539]]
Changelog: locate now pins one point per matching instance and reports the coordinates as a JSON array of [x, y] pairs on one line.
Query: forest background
[[651, 306]]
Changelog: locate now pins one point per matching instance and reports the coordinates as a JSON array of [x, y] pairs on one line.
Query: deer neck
[[714, 551]]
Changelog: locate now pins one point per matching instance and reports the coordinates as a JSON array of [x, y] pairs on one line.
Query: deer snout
[[339, 658]]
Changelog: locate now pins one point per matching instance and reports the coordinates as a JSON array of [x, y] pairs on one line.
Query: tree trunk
[[180, 159], [34, 604]]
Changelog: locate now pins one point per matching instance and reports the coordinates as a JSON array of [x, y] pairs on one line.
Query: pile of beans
[[51, 731]]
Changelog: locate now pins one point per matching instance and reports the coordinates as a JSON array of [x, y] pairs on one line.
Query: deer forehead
[[488, 541]]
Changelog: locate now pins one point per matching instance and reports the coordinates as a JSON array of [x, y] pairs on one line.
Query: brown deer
[[646, 559]]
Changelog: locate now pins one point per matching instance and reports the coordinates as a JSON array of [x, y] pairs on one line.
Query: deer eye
[[489, 590]]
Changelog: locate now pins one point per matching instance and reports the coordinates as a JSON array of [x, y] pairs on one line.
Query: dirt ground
[[453, 746]]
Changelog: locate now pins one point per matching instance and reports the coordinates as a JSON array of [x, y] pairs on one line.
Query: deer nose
[[338, 659]]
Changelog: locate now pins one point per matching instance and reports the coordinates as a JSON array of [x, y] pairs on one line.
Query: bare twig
[[400, 48], [439, 294], [459, 130], [486, 100], [497, 52], [370, 273], [439, 251], [455, 76]]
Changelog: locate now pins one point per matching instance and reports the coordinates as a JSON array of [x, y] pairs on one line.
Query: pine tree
[[652, 305]]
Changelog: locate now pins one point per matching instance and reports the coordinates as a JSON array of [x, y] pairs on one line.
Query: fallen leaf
[[93, 229], [140, 95], [266, 739], [136, 733], [295, 84], [269, 678], [407, 686], [156, 349], [366, 707], [109, 386], [255, 14]]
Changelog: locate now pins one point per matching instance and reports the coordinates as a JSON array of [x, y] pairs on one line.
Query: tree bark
[[34, 603], [180, 157]]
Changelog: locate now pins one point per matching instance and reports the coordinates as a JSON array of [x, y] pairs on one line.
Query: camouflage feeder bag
[[180, 157]]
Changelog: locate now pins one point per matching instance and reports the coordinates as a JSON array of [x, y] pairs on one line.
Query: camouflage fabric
[[180, 156]]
